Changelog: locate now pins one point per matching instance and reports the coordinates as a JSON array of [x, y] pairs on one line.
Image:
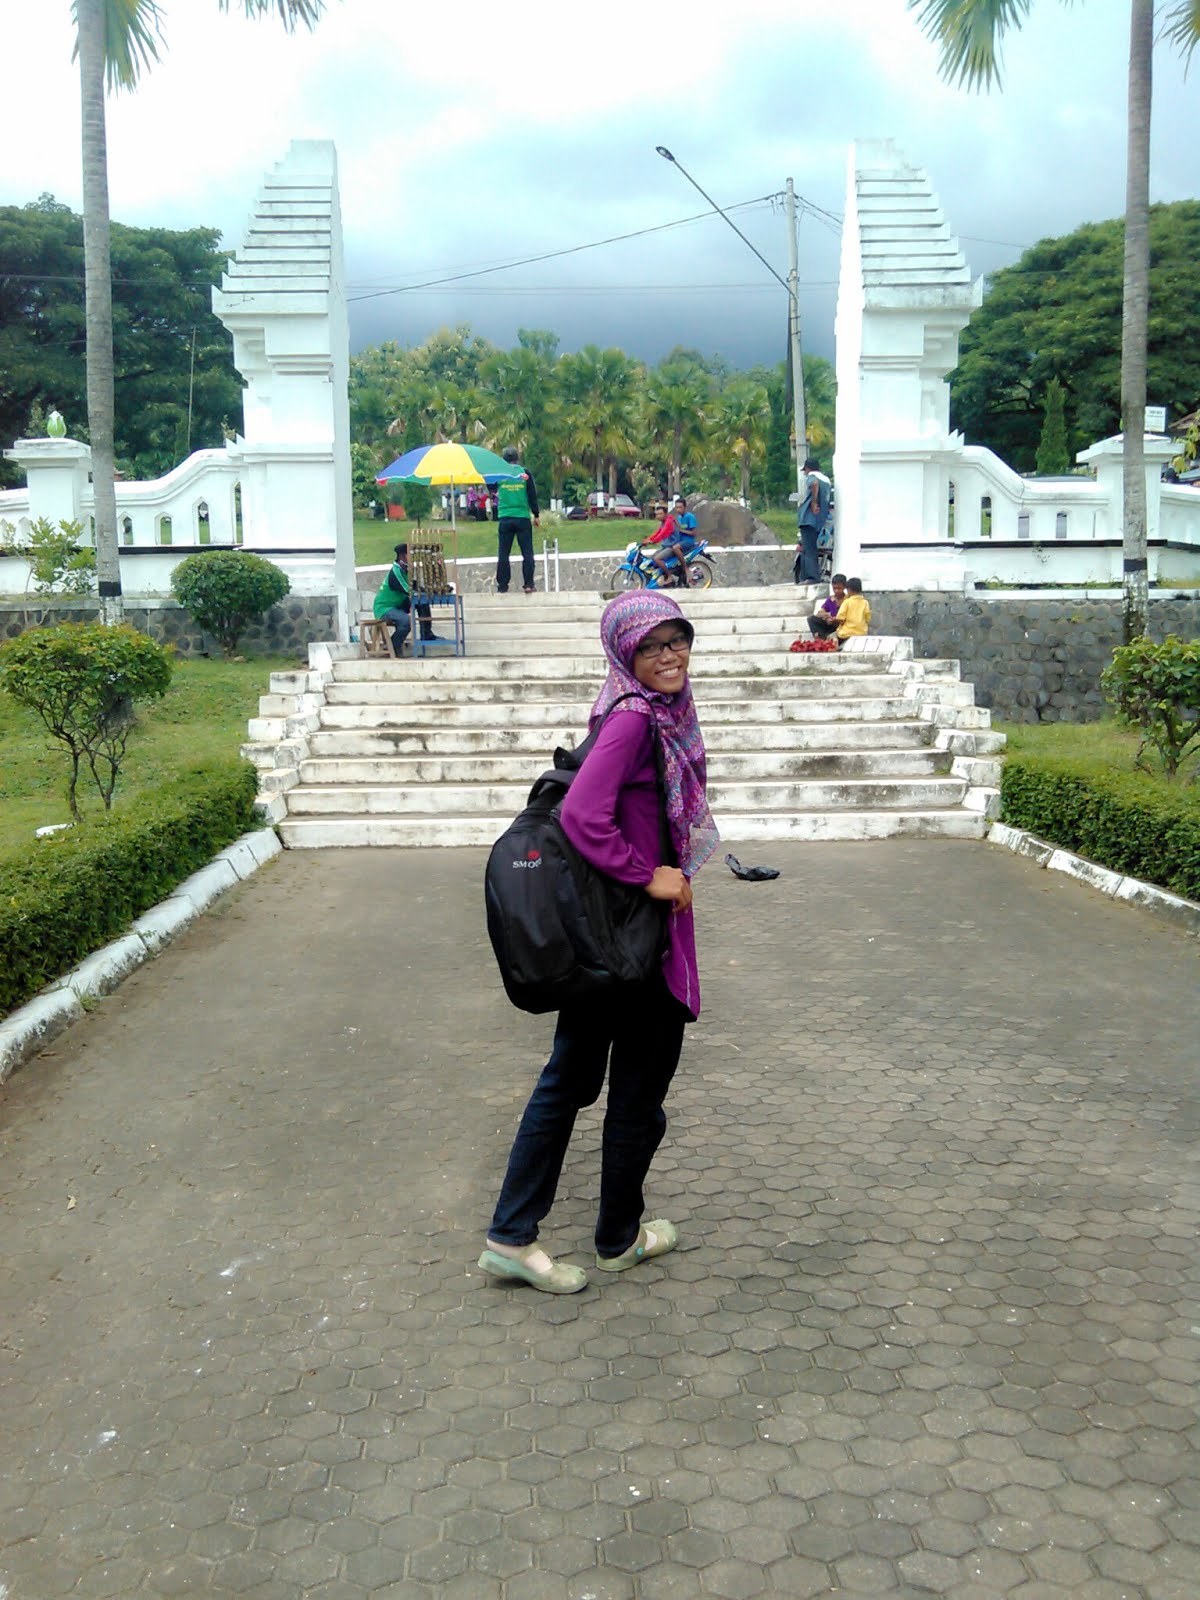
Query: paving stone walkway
[[933, 1329]]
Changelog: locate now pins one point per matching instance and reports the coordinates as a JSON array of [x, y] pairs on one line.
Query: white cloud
[[465, 136]]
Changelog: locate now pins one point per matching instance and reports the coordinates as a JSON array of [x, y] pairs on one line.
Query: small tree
[[1156, 688], [83, 679], [1053, 454], [58, 560], [224, 591], [362, 475]]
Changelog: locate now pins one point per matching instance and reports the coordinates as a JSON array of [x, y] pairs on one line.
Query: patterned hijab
[[625, 623]]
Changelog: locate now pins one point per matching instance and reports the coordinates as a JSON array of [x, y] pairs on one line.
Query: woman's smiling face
[[660, 662]]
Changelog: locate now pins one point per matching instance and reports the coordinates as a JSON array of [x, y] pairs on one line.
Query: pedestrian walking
[[517, 516], [613, 816]]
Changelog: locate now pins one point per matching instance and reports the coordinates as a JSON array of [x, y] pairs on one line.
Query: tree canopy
[[1057, 314], [593, 417], [161, 293]]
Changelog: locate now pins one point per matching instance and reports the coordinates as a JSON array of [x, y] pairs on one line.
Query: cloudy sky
[[465, 144]]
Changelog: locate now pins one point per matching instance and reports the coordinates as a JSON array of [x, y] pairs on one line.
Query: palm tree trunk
[[746, 474], [97, 271], [1135, 319], [599, 462], [677, 460]]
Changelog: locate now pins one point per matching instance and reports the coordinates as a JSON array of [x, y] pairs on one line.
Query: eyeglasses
[[679, 644]]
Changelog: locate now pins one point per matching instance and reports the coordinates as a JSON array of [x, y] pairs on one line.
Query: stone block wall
[[287, 629], [1031, 660], [735, 567]]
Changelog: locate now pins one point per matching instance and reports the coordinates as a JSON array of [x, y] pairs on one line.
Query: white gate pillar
[[283, 298]]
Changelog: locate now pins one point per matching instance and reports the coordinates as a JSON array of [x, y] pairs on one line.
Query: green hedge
[[74, 891], [1126, 821]]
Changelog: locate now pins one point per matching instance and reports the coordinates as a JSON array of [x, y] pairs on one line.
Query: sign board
[[1156, 419]]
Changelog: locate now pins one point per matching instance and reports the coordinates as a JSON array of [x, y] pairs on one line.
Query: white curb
[[1185, 913], [26, 1030]]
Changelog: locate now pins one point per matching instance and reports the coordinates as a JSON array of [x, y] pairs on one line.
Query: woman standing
[[611, 815]]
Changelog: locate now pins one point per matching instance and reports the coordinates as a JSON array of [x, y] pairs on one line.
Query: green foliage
[[1125, 821], [83, 681], [363, 468], [579, 416], [1057, 313], [417, 500], [1053, 456], [162, 281], [224, 591], [57, 559], [1156, 689], [76, 890]]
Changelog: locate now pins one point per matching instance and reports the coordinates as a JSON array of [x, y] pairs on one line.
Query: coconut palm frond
[[132, 35], [292, 13], [1181, 26], [969, 33]]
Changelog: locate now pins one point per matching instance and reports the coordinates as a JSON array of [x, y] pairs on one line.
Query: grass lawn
[[1093, 746], [374, 540], [201, 718]]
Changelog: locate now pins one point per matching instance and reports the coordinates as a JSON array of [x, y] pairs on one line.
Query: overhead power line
[[552, 255]]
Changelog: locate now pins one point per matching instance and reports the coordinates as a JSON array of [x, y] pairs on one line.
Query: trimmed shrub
[[1121, 820], [224, 591], [78, 889]]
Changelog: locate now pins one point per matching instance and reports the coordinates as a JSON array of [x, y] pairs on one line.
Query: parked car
[[576, 513], [605, 505]]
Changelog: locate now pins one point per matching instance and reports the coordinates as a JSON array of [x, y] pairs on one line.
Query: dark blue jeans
[[638, 1037], [809, 560], [508, 529]]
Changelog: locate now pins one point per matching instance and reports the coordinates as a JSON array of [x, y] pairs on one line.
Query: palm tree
[[969, 33], [518, 384], [115, 40], [677, 398], [601, 388], [742, 416]]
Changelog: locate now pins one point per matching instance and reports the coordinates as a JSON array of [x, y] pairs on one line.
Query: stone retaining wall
[[287, 629], [736, 567], [1031, 660]]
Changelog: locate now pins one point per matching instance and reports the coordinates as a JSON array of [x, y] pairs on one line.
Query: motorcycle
[[638, 570]]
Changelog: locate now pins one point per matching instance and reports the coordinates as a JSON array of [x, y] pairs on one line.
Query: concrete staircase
[[864, 744]]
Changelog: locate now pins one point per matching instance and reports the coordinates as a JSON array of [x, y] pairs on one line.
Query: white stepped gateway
[[864, 744]]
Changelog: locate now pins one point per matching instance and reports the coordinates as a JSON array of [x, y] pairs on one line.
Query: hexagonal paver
[[917, 1339]]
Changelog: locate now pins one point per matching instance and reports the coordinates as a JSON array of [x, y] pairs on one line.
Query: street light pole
[[801, 419]]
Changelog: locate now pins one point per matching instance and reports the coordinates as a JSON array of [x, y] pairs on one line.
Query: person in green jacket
[[393, 604], [517, 515]]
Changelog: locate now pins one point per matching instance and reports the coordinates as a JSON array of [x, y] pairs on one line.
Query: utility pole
[[191, 388], [801, 419]]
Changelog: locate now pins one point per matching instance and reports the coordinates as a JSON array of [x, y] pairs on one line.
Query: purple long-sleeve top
[[611, 816]]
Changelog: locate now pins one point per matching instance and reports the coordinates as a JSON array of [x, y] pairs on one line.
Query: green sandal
[[666, 1237], [561, 1279]]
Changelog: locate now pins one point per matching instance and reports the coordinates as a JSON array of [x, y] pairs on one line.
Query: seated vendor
[[823, 621], [393, 604]]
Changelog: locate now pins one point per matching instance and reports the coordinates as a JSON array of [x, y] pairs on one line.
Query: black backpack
[[561, 930]]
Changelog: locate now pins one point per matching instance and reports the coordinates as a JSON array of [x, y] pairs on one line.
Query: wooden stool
[[375, 637]]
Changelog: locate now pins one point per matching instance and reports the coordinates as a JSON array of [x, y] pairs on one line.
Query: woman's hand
[[669, 883]]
